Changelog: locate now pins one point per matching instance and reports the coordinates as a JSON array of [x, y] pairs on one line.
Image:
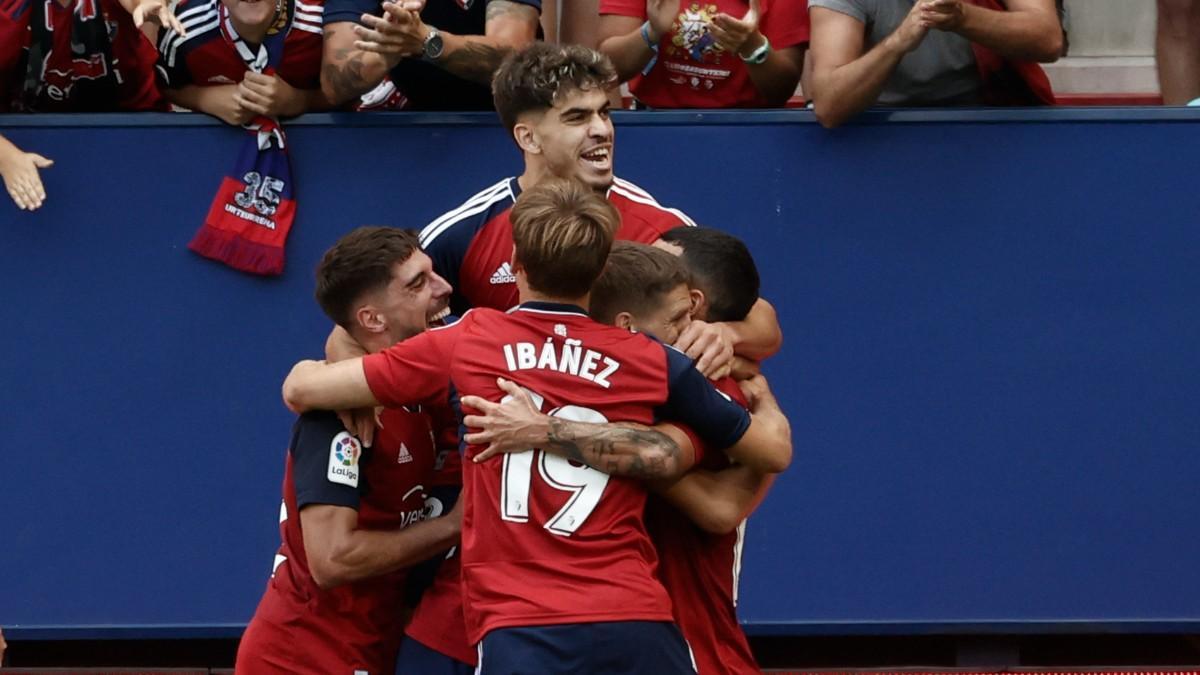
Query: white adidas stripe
[[650, 201], [305, 7], [173, 49], [308, 27], [632, 187], [309, 17], [189, 19], [485, 197]]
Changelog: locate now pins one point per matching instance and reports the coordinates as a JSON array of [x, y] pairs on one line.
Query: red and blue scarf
[[252, 213]]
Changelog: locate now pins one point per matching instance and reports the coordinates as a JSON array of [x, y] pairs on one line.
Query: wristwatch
[[758, 56], [433, 46]]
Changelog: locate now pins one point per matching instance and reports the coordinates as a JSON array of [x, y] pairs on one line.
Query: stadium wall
[[990, 364]]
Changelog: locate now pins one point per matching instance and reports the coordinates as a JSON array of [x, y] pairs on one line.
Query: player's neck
[[527, 294]]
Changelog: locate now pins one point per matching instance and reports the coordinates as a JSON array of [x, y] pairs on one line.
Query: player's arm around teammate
[[620, 448]]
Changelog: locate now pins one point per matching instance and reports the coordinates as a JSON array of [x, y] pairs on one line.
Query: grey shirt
[[941, 71]]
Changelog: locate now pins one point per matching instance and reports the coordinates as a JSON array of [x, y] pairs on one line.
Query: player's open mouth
[[439, 315], [599, 157]]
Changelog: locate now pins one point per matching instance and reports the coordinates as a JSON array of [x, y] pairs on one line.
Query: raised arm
[[846, 80], [339, 552], [1029, 30], [777, 76], [629, 42], [400, 33], [713, 346], [718, 501], [320, 385], [618, 449], [766, 446], [347, 71]]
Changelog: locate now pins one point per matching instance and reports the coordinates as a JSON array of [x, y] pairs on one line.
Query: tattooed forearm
[[474, 61], [347, 73], [630, 450]]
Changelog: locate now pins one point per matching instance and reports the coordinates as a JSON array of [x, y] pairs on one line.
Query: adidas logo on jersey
[[503, 275], [404, 456]]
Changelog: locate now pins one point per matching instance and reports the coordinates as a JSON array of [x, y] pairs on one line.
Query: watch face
[[433, 46]]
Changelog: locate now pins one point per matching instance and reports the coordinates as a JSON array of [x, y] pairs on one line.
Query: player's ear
[[699, 306], [526, 138], [370, 319], [624, 321]]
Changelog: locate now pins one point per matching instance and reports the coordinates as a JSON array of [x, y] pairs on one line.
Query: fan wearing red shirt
[[557, 568], [79, 55], [706, 53], [354, 519], [206, 69]]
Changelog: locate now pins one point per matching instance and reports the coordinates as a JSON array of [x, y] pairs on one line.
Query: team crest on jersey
[[560, 330], [344, 453]]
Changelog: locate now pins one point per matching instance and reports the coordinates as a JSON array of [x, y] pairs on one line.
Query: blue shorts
[[417, 659], [652, 647]]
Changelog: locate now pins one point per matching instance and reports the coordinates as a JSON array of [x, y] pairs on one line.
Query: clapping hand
[[738, 36]]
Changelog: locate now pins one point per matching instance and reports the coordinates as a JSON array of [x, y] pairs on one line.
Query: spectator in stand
[[1177, 51], [439, 54], [228, 65], [930, 53], [712, 54], [77, 56], [575, 22], [71, 56]]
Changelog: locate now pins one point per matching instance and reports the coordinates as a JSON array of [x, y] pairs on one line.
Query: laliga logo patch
[[344, 453]]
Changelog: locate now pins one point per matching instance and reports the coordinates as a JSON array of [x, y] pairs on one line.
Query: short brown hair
[[360, 262], [562, 233], [535, 77], [635, 280]]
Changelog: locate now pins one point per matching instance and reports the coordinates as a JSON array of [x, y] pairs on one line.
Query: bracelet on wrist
[[650, 42], [759, 55]]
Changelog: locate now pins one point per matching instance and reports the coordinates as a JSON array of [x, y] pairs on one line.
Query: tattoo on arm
[[474, 61], [344, 71], [477, 61], [630, 450]]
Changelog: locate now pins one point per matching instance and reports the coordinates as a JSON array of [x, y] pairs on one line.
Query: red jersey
[[438, 621], [299, 628], [564, 543], [132, 59], [471, 246], [700, 572], [208, 56], [692, 71]]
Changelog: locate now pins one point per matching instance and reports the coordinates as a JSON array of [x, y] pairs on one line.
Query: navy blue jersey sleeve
[[326, 461], [349, 10], [694, 401], [171, 69]]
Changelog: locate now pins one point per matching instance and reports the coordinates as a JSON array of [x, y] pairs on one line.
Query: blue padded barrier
[[991, 360]]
